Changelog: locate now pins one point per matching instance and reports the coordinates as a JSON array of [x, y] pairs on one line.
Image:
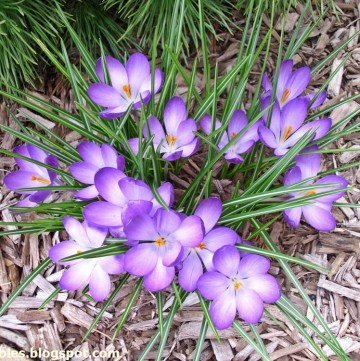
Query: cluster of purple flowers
[[162, 242]]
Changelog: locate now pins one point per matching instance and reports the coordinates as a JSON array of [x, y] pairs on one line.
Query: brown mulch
[[64, 321]]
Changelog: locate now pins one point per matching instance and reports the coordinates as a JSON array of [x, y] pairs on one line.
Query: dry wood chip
[[290, 22], [346, 343], [340, 243], [342, 111], [15, 338], [271, 347], [288, 351], [76, 315], [192, 329], [34, 315], [335, 83], [26, 113], [341, 290], [348, 156], [222, 350], [29, 302]]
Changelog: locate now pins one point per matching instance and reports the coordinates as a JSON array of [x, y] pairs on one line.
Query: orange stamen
[[160, 241], [127, 90], [310, 193], [201, 246], [237, 285], [232, 135], [40, 179], [171, 139], [285, 95], [287, 133], [78, 251]]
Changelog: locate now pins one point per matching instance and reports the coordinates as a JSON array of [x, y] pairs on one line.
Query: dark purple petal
[[166, 222], [233, 158], [107, 183], [24, 179], [209, 210], [172, 156], [77, 276], [174, 113], [266, 286], [135, 190], [134, 145], [190, 148], [266, 83], [117, 72], [156, 129], [166, 192], [218, 237], [309, 163], [135, 208], [87, 193], [24, 164], [319, 100], [37, 153], [292, 176], [103, 214], [190, 233], [284, 75], [185, 132], [275, 120], [292, 117], [205, 124], [84, 172], [212, 284], [26, 202], [298, 82], [115, 112], [253, 264], [319, 216], [237, 122], [112, 265], [65, 249], [141, 228], [39, 196], [249, 305], [99, 284], [105, 95], [138, 70], [159, 278], [267, 137], [223, 310], [341, 183], [190, 272], [226, 260], [140, 260], [91, 153], [293, 216]]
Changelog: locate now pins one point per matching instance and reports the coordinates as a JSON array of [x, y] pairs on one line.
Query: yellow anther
[[40, 179], [127, 90], [287, 133], [285, 95], [237, 285], [160, 241], [171, 139]]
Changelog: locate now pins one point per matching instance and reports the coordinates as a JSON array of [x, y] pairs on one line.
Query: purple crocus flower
[[195, 258], [178, 140], [124, 197], [92, 271], [32, 175], [163, 237], [239, 284], [318, 214], [94, 158], [286, 126], [291, 85], [130, 85], [237, 123]]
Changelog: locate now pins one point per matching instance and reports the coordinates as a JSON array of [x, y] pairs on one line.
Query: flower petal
[[171, 156], [319, 216], [107, 183], [166, 222], [293, 175], [266, 286], [135, 208], [141, 259], [185, 132], [138, 70], [105, 95], [114, 112], [293, 116], [293, 216], [171, 254], [76, 231], [205, 124], [329, 179], [77, 276], [95, 234], [253, 264], [141, 228], [111, 158], [159, 278], [212, 284], [87, 193], [23, 179], [156, 129], [84, 172], [284, 75], [103, 214], [298, 81], [226, 260], [209, 210], [135, 190], [158, 81], [99, 284], [174, 113], [112, 265], [249, 305], [91, 153], [65, 249], [267, 137], [190, 149], [309, 163], [223, 310], [237, 122], [166, 192], [190, 272], [219, 237], [190, 232]]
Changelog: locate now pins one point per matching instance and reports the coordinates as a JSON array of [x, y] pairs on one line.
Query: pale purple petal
[[76, 231], [341, 183], [243, 147], [293, 216], [84, 172], [91, 153], [185, 132], [156, 129], [112, 265], [105, 95], [190, 232], [275, 120], [135, 208], [95, 234], [249, 305], [223, 310], [166, 192], [36, 153], [135, 190], [27, 202], [319, 216], [77, 276], [266, 83], [134, 145], [138, 70], [292, 116], [103, 214], [87, 193], [298, 81], [292, 176], [24, 179], [205, 124], [24, 164], [266, 286], [158, 81], [226, 260], [190, 272], [309, 163], [65, 249], [190, 148], [174, 113], [141, 228], [212, 284], [111, 158], [284, 75], [116, 70], [99, 284], [172, 156], [107, 183], [159, 278], [218, 237], [267, 137], [253, 264], [209, 210], [233, 158], [171, 254], [237, 123], [319, 100], [140, 260], [166, 222]]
